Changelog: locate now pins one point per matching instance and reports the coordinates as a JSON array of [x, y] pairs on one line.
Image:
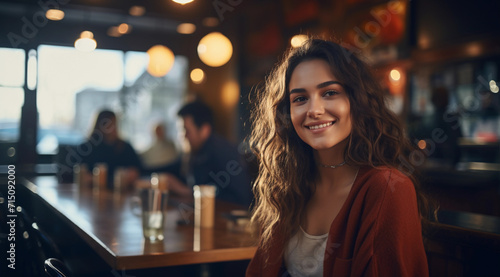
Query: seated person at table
[[331, 199], [162, 151], [105, 146], [211, 160]]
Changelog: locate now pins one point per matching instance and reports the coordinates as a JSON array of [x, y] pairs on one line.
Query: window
[[12, 68], [74, 86]]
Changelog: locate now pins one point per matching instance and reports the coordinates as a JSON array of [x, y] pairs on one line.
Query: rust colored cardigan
[[376, 233]]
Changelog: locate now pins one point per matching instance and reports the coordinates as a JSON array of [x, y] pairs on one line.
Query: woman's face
[[319, 105], [109, 129]]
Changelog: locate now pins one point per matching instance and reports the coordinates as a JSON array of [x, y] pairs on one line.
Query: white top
[[159, 154], [305, 253]]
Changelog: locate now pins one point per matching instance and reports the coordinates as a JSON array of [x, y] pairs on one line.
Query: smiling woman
[[330, 198]]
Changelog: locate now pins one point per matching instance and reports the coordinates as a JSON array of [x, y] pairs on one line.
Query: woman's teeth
[[320, 126]]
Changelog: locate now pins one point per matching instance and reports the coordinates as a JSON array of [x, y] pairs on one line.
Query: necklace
[[333, 166]]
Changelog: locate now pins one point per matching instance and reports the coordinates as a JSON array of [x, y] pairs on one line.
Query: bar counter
[[106, 222]]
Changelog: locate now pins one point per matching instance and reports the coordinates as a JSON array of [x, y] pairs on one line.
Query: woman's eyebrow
[[325, 84], [322, 85]]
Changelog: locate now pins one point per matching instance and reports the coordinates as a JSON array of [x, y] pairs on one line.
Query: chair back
[[55, 268]]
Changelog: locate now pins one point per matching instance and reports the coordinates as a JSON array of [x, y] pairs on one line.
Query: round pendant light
[[161, 60], [215, 49]]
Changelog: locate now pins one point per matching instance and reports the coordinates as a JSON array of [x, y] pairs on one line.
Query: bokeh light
[[161, 60], [215, 49], [197, 76]]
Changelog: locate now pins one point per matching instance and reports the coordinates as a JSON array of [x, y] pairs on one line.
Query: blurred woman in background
[[105, 146]]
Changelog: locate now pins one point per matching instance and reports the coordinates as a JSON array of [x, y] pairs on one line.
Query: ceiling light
[[87, 34], [215, 49], [86, 42], [210, 21], [54, 14], [186, 28], [137, 11], [161, 60], [124, 28], [183, 2], [197, 76]]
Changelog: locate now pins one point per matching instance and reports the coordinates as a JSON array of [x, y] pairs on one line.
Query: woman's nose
[[316, 108]]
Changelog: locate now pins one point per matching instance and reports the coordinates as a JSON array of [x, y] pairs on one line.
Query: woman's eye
[[299, 99], [330, 93]]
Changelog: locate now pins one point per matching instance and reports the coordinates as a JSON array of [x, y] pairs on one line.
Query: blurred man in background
[[211, 160]]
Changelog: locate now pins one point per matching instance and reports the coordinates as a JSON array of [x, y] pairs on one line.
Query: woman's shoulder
[[383, 172], [379, 180]]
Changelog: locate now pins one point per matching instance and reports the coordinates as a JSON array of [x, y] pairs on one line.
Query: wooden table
[[106, 222]]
